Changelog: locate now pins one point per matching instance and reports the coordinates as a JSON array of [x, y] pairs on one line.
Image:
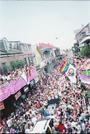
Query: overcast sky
[[33, 22]]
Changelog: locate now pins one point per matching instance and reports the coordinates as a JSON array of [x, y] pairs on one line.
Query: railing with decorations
[[15, 85]]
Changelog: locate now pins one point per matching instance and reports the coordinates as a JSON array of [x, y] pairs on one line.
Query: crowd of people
[[72, 114], [12, 75], [82, 63]]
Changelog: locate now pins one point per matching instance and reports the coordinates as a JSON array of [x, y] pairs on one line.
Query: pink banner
[[15, 86]]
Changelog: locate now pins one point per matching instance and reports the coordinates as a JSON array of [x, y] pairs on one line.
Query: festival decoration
[[71, 73], [68, 70]]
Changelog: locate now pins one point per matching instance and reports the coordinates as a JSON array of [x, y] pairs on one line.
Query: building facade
[[48, 56], [11, 51], [83, 36]]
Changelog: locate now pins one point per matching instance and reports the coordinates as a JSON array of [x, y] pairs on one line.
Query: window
[[25, 61], [10, 46], [15, 45], [3, 64], [18, 47], [2, 45]]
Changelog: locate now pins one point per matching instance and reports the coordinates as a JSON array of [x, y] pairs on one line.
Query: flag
[[63, 66]]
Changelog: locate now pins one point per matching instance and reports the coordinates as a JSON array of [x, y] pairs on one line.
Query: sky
[[52, 22]]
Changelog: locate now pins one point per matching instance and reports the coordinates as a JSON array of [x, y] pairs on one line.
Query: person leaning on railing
[[1, 81]]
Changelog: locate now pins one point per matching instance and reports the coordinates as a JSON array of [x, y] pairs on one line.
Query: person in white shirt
[[9, 122], [34, 120], [8, 78], [78, 128], [83, 127], [27, 130]]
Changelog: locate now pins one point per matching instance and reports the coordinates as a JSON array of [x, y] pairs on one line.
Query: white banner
[[23, 75], [71, 73]]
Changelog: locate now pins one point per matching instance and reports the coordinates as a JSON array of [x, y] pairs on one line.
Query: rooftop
[[46, 45]]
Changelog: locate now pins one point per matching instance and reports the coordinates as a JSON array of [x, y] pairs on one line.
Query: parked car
[[43, 126]]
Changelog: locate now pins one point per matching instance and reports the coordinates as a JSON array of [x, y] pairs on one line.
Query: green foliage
[[17, 64], [76, 48], [13, 65], [85, 51], [86, 72], [5, 69], [9, 68]]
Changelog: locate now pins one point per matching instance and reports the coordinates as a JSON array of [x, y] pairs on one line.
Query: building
[[49, 55], [11, 51], [83, 35]]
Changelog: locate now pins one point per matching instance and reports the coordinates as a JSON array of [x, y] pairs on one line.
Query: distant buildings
[[49, 56], [82, 46], [43, 55], [14, 51], [83, 35]]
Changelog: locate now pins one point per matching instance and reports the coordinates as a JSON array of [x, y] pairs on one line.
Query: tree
[[17, 64], [5, 69], [85, 51], [76, 48]]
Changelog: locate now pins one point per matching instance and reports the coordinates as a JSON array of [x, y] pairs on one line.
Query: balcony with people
[[13, 81]]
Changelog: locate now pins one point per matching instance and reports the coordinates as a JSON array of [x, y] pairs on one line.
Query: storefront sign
[[2, 106], [17, 95]]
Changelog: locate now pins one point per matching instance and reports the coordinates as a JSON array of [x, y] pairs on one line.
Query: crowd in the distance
[[72, 115], [12, 75], [82, 63]]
